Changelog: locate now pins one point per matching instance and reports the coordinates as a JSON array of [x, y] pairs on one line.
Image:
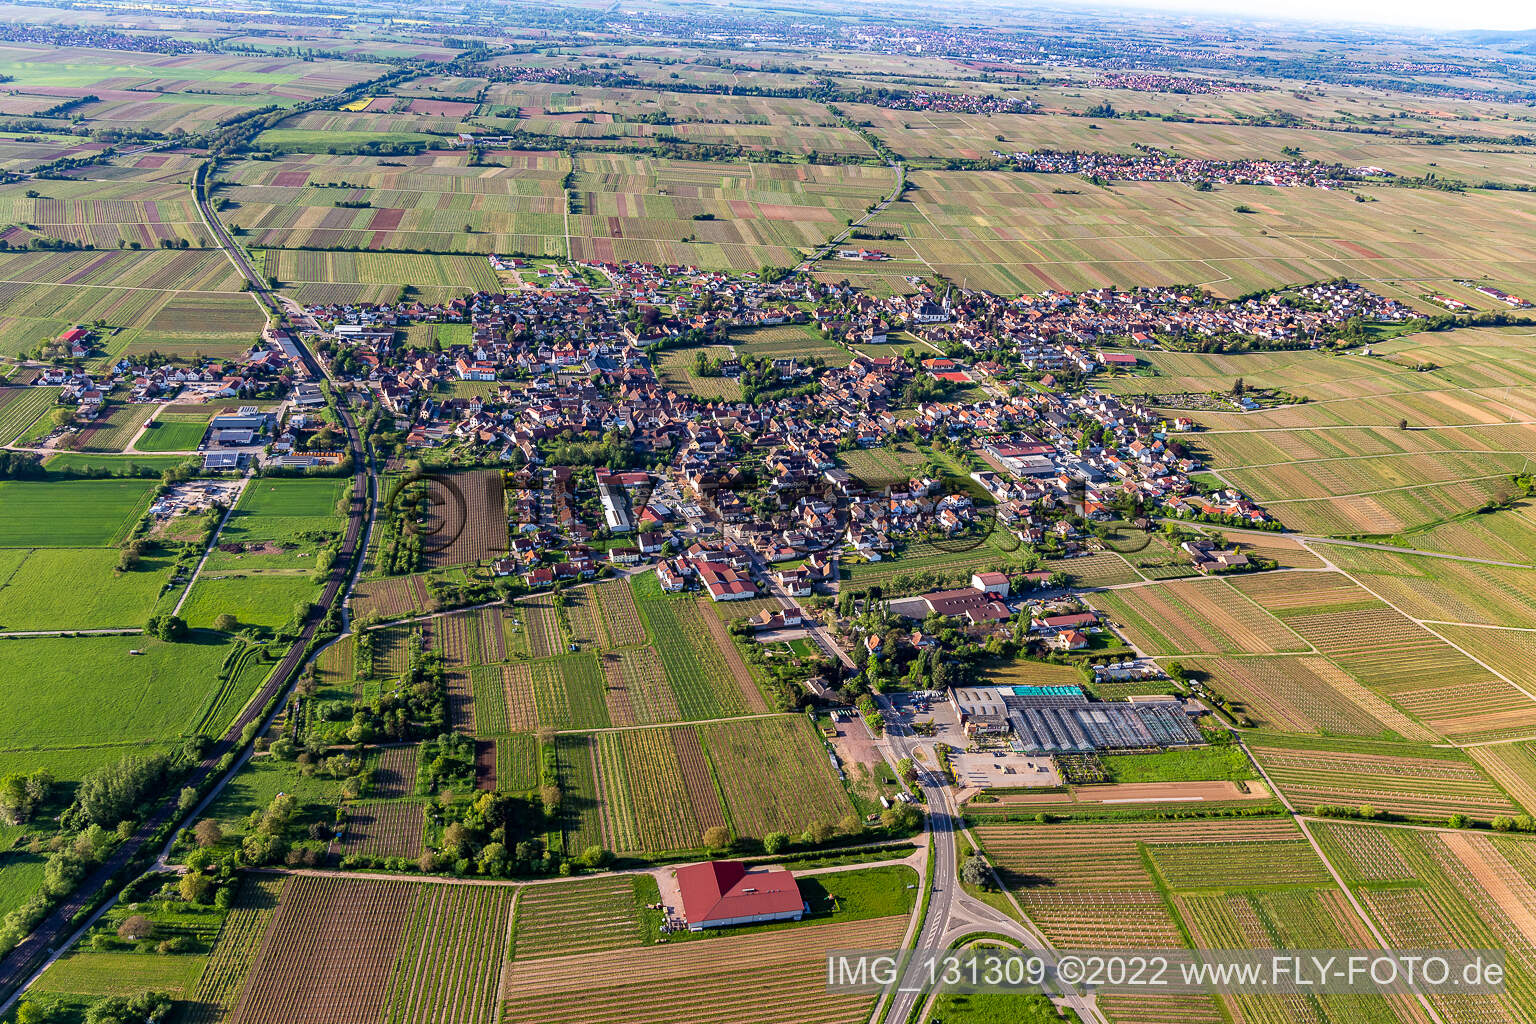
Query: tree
[[207, 833], [975, 871], [139, 1009], [817, 832], [717, 837], [906, 769], [1239, 388], [851, 825], [195, 887], [1459, 821], [1402, 424], [135, 928], [226, 623], [775, 842]]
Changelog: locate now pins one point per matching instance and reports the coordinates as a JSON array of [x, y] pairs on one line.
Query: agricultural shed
[[722, 893]]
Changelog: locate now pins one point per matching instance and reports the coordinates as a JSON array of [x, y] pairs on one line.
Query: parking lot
[[985, 771]]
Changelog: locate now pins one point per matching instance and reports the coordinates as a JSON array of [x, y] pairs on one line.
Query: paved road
[[880, 207], [39, 948], [952, 912]]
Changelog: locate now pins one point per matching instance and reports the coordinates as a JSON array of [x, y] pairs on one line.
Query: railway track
[[52, 934]]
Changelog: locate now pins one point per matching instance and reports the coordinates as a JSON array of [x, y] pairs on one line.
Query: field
[[21, 407], [360, 951], [263, 599], [70, 513], [704, 678], [658, 788], [1450, 889], [748, 979], [1306, 695], [775, 775], [919, 564], [379, 829], [1203, 617], [1413, 780], [377, 276], [1012, 233], [568, 692], [1443, 590], [177, 302], [218, 987], [102, 597], [1394, 656], [278, 524], [397, 597], [451, 958], [125, 698], [593, 915]]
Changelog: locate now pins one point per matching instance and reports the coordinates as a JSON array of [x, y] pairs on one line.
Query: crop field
[[541, 626], [1013, 233], [278, 524], [461, 701], [124, 699], [1512, 766], [86, 973], [1307, 694], [395, 773], [377, 276], [1386, 651], [490, 700], [517, 690], [517, 763], [173, 301], [568, 692], [1414, 780], [70, 513], [581, 619], [692, 653], [102, 597], [423, 204], [219, 984], [675, 369], [265, 599], [114, 429], [172, 433], [451, 956], [1091, 886], [21, 407], [591, 915], [329, 953], [789, 341], [957, 561], [398, 597], [1197, 617], [637, 692], [621, 619], [581, 801], [102, 214], [881, 465], [380, 829], [775, 775], [760, 978], [1440, 589], [642, 208], [1450, 889], [659, 792]]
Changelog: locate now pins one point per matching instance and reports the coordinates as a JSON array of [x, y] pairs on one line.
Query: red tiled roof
[[723, 890]]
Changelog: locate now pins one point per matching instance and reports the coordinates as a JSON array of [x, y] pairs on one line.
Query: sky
[[1469, 14]]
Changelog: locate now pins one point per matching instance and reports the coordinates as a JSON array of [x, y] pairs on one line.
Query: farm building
[[1062, 720], [723, 893]]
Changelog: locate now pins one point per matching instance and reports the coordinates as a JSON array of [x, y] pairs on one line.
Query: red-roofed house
[[723, 893]]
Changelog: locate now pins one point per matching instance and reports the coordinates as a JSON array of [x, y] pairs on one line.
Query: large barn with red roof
[[722, 893]]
